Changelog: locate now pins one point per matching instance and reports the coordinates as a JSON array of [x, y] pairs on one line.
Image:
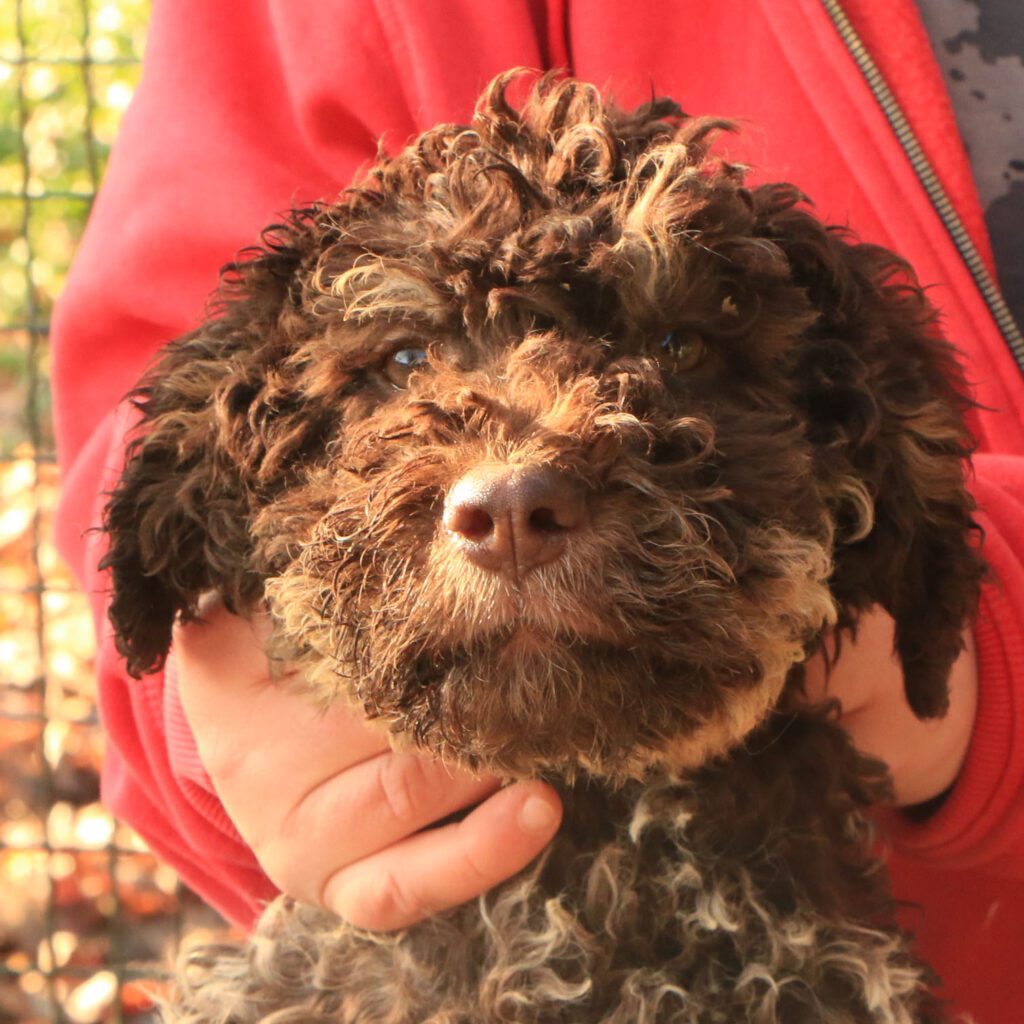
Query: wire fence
[[88, 919]]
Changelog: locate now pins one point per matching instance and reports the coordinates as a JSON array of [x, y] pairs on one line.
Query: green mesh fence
[[88, 919]]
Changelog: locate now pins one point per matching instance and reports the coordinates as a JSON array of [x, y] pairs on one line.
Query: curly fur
[[713, 864]]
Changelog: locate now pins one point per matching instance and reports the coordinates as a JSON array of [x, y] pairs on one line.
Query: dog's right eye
[[402, 362], [680, 351]]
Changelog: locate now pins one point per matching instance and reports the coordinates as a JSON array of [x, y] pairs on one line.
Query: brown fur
[[810, 466]]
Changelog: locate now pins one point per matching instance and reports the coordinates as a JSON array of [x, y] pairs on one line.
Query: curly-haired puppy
[[556, 447]]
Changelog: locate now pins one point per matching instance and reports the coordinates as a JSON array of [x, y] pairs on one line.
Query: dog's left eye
[[401, 363], [680, 351]]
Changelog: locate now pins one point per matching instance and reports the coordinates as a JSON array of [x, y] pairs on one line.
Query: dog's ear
[[212, 410], [885, 400]]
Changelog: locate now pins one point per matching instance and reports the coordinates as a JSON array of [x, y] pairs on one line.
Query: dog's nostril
[[545, 520], [475, 524]]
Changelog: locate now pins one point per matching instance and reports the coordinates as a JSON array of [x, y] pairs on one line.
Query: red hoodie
[[238, 118]]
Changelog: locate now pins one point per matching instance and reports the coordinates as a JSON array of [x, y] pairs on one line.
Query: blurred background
[[89, 921]]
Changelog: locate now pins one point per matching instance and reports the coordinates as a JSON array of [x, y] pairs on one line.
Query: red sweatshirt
[[238, 118]]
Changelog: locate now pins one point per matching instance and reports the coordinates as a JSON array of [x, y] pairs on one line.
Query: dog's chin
[[522, 701]]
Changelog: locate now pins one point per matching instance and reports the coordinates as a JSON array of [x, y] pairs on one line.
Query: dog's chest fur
[[747, 893]]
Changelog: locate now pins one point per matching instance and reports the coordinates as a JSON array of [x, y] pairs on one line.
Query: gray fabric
[[980, 48]]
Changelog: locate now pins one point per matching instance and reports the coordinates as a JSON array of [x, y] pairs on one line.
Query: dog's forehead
[[384, 301], [383, 297], [597, 293], [462, 239]]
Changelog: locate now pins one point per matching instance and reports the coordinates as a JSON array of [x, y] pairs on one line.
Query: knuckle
[[223, 761], [474, 874], [406, 787], [383, 906], [278, 861]]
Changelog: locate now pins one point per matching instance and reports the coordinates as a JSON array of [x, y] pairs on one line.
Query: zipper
[[929, 181]]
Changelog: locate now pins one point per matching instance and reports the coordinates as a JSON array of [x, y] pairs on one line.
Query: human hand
[[333, 816], [924, 756]]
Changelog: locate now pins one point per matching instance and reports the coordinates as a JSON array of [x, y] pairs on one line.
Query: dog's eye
[[680, 351], [401, 363], [542, 323]]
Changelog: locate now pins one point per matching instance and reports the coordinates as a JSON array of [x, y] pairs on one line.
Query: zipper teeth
[[912, 147]]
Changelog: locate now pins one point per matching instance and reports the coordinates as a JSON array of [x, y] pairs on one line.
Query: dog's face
[[557, 534], [557, 447]]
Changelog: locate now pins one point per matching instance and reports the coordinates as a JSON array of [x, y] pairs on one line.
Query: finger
[[387, 798], [444, 867]]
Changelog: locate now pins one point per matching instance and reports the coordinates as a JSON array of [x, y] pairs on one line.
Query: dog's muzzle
[[513, 519]]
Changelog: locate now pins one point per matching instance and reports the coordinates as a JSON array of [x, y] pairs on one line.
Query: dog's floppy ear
[[885, 400], [178, 519]]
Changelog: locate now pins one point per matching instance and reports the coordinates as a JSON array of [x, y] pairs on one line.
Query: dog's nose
[[512, 519]]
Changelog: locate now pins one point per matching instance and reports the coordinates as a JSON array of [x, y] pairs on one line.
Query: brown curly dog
[[557, 448]]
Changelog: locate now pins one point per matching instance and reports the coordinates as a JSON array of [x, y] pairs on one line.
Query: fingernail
[[537, 815]]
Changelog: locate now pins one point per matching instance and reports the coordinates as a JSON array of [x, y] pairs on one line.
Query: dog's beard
[[643, 645]]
